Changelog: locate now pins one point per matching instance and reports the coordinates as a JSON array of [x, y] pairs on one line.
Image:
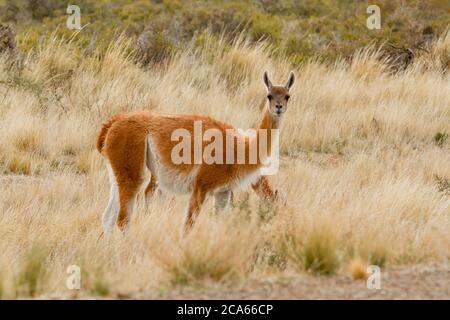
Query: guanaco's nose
[[278, 106]]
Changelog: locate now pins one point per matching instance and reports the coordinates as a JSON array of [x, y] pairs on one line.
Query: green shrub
[[317, 252], [440, 138], [266, 26], [100, 287], [301, 29], [32, 273]]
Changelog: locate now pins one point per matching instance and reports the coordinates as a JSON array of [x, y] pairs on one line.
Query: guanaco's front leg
[[195, 203], [264, 190]]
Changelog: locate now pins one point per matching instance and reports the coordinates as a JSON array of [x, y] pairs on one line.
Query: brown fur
[[104, 128]]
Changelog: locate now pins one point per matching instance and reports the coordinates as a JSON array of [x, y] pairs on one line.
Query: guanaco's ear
[[290, 81], [267, 81]]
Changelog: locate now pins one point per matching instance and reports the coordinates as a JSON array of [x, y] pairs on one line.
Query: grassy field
[[365, 166]]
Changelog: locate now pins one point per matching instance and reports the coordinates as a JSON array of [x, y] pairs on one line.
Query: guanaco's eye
[[287, 97], [269, 97]]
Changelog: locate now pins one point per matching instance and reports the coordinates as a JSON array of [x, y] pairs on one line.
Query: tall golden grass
[[360, 168]]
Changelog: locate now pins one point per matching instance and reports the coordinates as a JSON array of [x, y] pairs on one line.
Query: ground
[[429, 281]]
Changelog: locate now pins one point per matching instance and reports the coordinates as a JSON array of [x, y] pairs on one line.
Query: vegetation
[[364, 169], [32, 274], [297, 29]]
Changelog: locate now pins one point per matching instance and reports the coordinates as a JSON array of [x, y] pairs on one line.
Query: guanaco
[[131, 142]]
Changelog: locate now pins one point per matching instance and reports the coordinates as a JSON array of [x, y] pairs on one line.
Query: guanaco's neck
[[264, 142], [269, 129], [269, 122]]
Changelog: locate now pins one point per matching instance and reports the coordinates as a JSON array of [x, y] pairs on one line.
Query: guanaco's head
[[278, 96]]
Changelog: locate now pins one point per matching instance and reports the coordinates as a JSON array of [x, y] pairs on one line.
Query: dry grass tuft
[[358, 268], [320, 252], [32, 276], [19, 164], [315, 252], [207, 255]]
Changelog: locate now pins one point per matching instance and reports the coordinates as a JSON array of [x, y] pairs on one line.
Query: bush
[[302, 28], [100, 287], [440, 138], [153, 46], [32, 274], [317, 252], [265, 26], [43, 8]]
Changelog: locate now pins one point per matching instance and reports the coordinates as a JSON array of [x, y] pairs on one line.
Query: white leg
[[110, 214], [112, 210], [221, 200], [147, 200], [149, 196]]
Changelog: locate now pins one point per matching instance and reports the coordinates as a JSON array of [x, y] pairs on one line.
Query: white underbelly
[[244, 181], [175, 181], [169, 179], [180, 182]]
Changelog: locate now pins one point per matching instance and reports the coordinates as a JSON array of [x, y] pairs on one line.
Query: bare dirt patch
[[410, 282]]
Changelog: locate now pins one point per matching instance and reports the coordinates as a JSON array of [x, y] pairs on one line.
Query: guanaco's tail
[[104, 128]]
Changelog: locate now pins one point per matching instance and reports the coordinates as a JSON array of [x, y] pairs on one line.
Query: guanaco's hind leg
[[126, 155], [150, 189], [109, 216], [127, 202], [151, 164]]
